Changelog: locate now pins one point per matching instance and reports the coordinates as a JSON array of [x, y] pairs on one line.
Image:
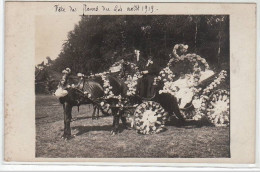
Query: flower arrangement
[[107, 87], [195, 59], [66, 71], [222, 75], [131, 83], [80, 75], [166, 75], [61, 91], [198, 65], [181, 47]]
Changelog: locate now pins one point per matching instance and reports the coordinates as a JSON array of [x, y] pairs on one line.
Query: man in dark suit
[[152, 70]]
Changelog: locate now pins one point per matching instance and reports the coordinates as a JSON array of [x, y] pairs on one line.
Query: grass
[[93, 138]]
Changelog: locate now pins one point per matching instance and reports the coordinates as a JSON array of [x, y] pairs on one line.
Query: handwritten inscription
[[118, 8], [96, 8], [144, 8], [88, 8], [59, 8], [73, 9]]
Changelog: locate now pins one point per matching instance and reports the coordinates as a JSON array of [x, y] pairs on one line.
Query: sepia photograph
[[132, 86]]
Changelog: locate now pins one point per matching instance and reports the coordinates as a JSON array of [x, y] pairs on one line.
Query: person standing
[[152, 70]]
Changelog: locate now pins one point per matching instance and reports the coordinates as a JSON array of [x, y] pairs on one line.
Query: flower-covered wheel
[[149, 118], [218, 108]]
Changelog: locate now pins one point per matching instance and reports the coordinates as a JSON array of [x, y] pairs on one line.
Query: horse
[[93, 86]]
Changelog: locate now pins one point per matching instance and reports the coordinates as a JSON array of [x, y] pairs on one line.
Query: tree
[[98, 41]]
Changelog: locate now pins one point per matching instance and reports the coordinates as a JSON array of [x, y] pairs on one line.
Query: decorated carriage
[[186, 88], [201, 92]]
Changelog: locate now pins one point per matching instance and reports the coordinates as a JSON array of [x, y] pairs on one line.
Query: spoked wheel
[[150, 118], [218, 108]]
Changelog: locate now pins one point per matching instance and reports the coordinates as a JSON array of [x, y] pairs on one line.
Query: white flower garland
[[131, 83], [221, 77], [166, 75], [61, 91], [176, 47], [193, 58]]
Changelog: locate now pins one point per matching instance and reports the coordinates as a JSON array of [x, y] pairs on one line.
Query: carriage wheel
[[218, 108], [150, 117]]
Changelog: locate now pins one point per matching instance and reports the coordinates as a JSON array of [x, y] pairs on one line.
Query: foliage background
[[98, 41]]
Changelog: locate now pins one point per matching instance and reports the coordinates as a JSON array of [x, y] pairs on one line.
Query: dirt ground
[[93, 138]]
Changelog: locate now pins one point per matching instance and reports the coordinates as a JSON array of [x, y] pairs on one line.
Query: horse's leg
[[116, 117], [113, 125], [94, 111], [97, 112], [67, 118], [123, 119]]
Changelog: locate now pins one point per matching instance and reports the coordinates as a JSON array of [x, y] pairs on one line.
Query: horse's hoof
[[113, 133], [73, 119], [67, 137]]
